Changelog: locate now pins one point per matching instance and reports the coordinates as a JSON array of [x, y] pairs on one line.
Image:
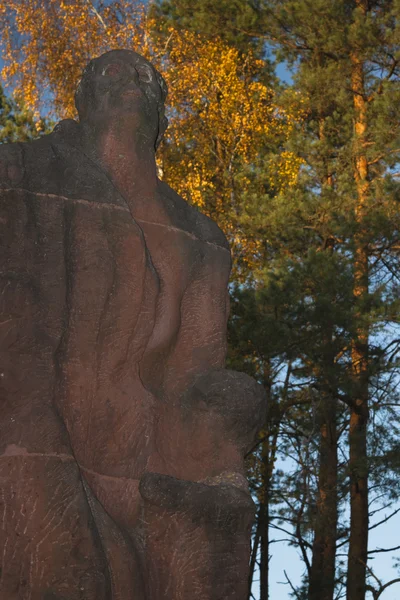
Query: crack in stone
[[111, 207], [21, 452]]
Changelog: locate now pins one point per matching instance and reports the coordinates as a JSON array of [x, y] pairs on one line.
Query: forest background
[[303, 177]]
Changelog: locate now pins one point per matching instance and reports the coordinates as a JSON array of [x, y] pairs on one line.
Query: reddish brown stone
[[121, 434]]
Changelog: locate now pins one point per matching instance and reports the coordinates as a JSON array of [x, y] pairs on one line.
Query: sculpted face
[[123, 86]]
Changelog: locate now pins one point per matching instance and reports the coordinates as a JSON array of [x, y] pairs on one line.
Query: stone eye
[[111, 70], [145, 74]]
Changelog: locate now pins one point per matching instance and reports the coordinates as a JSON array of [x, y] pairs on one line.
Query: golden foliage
[[220, 108], [224, 121]]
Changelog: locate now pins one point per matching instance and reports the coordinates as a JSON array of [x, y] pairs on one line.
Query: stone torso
[[115, 313], [160, 336]]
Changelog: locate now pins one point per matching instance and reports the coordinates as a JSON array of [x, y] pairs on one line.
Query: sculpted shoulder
[[55, 165], [11, 165], [20, 160], [192, 220]]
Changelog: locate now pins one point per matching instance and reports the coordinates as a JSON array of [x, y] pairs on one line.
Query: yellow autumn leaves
[[224, 120], [222, 117]]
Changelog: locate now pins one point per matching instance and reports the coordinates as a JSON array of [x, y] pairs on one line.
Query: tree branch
[[383, 550], [98, 15], [295, 592]]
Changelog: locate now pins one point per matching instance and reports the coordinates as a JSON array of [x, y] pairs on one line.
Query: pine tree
[[346, 57], [17, 123], [235, 22]]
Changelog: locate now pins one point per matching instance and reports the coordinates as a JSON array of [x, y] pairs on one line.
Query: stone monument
[[122, 436]]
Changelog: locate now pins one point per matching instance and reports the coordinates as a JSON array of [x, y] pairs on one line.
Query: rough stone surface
[[121, 434]]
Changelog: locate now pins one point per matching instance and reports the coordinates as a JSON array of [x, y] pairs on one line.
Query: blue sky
[[285, 558]]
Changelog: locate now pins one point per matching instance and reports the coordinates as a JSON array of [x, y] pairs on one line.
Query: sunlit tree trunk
[[358, 543]]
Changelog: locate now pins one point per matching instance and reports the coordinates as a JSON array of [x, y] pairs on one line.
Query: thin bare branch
[[98, 15]]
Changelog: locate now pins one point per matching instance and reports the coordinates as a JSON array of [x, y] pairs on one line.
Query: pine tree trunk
[[323, 562], [268, 457], [358, 544], [254, 552], [264, 522], [322, 573]]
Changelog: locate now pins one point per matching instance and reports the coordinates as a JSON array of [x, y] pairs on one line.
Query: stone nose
[[133, 75], [129, 81]]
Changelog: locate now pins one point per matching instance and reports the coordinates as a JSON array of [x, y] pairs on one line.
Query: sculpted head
[[123, 86]]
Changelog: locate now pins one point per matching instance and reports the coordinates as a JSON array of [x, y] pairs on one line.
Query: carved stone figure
[[122, 436]]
